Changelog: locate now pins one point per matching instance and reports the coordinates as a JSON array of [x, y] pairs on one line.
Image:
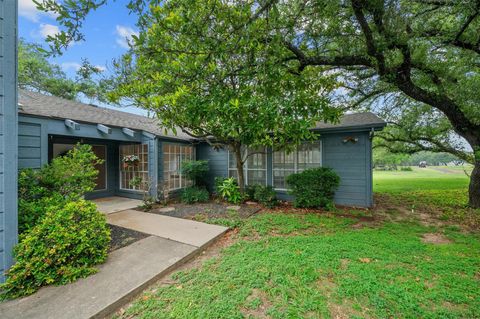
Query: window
[[307, 155], [254, 169], [134, 167], [173, 157]]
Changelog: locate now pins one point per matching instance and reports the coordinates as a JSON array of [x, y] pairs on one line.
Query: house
[[8, 133], [49, 126]]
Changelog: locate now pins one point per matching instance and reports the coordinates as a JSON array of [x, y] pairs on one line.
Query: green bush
[[406, 169], [66, 178], [250, 191], [228, 189], [195, 194], [313, 187], [196, 171], [265, 195], [64, 246]]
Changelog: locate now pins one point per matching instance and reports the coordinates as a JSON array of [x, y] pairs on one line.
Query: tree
[[425, 52], [212, 90], [36, 73]]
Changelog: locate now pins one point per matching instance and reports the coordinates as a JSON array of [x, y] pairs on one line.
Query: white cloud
[[101, 67], [70, 65], [124, 35], [28, 10], [46, 30]]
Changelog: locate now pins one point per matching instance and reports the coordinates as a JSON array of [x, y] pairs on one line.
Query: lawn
[[434, 190], [314, 266], [287, 264]]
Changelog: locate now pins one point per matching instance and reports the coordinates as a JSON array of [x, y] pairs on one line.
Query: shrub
[[250, 191], [313, 187], [195, 194], [66, 178], [228, 189], [72, 175], [265, 195], [196, 171], [406, 169], [64, 246]]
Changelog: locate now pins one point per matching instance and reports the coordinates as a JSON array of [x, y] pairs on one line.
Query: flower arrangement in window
[[130, 160]]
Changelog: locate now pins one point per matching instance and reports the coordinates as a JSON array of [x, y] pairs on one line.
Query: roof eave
[[352, 128]]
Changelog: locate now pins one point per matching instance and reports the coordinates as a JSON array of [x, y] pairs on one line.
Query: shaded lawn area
[[437, 190], [318, 266]]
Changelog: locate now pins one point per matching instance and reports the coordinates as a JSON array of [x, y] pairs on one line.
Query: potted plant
[[130, 161]]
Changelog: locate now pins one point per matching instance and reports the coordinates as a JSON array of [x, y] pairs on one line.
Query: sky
[[106, 30]]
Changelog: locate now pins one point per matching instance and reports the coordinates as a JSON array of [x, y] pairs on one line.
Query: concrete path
[[127, 271], [178, 229], [115, 204]]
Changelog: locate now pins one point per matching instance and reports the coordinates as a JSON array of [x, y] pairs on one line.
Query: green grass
[[286, 265], [439, 190], [314, 266], [420, 179]]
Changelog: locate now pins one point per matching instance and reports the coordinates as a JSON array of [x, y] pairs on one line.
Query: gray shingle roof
[[33, 103], [365, 119]]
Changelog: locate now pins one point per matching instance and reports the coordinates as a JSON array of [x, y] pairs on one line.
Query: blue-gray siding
[[33, 138], [351, 161], [8, 133], [217, 162]]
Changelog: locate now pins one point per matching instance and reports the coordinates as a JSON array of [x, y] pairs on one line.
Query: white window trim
[[246, 169], [179, 165], [120, 180], [295, 166]]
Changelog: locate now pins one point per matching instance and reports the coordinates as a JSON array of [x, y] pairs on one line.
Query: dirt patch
[[388, 208], [435, 238], [122, 237], [209, 210], [260, 303]]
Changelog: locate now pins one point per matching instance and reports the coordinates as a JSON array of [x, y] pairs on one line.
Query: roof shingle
[[33, 103]]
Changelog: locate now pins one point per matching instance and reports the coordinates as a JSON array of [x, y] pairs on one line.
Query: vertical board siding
[[351, 161], [217, 162], [8, 133]]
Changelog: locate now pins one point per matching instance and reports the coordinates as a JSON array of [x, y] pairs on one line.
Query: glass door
[[134, 167]]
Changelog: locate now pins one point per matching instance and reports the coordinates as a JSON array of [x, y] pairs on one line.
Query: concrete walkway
[[127, 271], [178, 229], [108, 205]]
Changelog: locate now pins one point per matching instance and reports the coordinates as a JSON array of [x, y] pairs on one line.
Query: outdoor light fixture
[[352, 139]]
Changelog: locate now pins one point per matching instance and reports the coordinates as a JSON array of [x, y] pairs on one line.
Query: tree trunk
[[239, 161], [474, 189]]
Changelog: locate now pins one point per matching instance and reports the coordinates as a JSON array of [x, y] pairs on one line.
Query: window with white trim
[[308, 155], [254, 169], [174, 155]]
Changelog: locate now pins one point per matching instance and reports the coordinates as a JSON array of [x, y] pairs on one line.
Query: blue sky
[[106, 32]]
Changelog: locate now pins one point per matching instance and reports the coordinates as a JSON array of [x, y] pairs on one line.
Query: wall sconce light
[[352, 139]]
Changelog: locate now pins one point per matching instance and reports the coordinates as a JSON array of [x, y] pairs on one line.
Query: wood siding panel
[[351, 162], [217, 162], [8, 133], [29, 145]]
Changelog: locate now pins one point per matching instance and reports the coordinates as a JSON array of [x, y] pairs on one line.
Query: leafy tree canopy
[[422, 52], [36, 73]]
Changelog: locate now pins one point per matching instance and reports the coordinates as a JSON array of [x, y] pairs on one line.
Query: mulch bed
[[122, 237], [210, 210]]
